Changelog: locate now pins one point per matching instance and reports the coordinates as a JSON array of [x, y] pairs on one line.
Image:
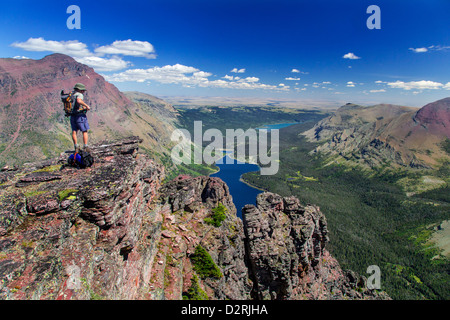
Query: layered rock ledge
[[118, 230]]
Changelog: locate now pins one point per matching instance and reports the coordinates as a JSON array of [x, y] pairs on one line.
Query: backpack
[[69, 103], [81, 159]]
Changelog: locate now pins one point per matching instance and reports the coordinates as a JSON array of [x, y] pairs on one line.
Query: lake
[[231, 171]]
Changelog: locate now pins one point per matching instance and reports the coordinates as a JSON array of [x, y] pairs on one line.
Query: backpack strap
[[75, 159]]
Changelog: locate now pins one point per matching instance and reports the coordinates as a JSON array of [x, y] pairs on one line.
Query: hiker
[[78, 120]]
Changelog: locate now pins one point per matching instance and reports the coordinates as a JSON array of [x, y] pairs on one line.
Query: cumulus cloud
[[129, 48], [376, 91], [104, 58], [417, 85], [229, 77], [418, 50], [298, 71], [236, 70], [167, 74], [350, 84], [104, 64], [350, 56], [72, 48], [291, 78], [250, 79], [190, 77]]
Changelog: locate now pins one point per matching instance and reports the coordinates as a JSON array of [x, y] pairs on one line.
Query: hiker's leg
[[74, 137], [85, 138]]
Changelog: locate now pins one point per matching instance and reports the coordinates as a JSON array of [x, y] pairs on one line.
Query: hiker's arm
[[81, 103]]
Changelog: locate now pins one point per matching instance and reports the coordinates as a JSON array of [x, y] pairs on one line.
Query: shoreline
[[240, 177], [250, 185]]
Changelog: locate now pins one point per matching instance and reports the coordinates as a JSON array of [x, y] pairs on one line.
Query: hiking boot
[[87, 149]]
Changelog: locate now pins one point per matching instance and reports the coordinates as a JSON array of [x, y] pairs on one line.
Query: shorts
[[79, 122]]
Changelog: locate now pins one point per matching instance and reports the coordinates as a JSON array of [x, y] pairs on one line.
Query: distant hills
[[32, 122], [386, 135]]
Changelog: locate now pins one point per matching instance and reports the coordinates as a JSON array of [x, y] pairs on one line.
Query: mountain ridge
[[386, 134]]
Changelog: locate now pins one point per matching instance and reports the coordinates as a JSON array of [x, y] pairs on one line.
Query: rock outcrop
[[286, 244], [118, 230], [188, 203], [112, 232], [80, 234]]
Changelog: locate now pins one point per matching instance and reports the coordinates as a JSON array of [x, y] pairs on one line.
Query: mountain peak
[[404, 136], [435, 116]]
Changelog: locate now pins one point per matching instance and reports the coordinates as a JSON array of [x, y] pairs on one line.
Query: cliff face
[[93, 227], [117, 231], [286, 244]]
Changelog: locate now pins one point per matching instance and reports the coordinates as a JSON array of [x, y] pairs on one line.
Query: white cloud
[[72, 48], [350, 56], [236, 70], [350, 84], [438, 48], [129, 48], [104, 64], [291, 78], [190, 77], [20, 57], [417, 85], [167, 74], [228, 77], [418, 50], [429, 48], [80, 52], [376, 91], [447, 86], [379, 81], [250, 79], [298, 71]]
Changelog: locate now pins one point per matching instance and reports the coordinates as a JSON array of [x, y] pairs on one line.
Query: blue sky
[[300, 50]]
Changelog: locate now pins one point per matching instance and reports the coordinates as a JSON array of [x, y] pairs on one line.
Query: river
[[231, 171]]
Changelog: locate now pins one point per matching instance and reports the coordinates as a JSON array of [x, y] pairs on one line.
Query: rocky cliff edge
[[118, 230]]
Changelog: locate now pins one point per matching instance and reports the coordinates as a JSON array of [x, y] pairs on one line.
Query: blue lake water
[[231, 171], [278, 125]]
